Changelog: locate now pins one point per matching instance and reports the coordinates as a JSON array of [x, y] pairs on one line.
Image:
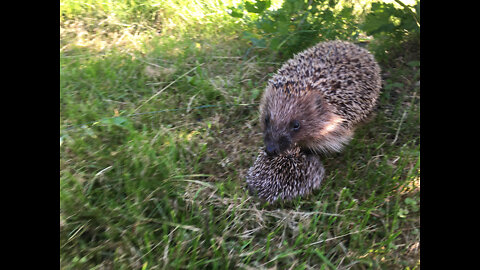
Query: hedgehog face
[[290, 120]]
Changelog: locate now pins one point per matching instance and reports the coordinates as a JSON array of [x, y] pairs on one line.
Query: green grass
[[166, 190]]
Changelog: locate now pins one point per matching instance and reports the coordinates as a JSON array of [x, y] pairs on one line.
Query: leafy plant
[[296, 25], [391, 26], [385, 18]]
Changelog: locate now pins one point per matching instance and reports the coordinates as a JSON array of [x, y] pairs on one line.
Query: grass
[[166, 190]]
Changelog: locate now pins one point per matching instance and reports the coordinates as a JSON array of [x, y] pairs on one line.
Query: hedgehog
[[284, 177], [317, 98]]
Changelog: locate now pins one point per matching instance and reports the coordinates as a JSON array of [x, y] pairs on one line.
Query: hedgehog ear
[[315, 96], [319, 101]]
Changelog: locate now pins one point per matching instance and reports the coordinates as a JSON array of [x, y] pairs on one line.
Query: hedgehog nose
[[271, 149]]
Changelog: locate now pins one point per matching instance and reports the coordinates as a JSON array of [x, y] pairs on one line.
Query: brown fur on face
[[280, 110]]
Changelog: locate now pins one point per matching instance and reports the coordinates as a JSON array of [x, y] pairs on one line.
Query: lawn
[[159, 124]]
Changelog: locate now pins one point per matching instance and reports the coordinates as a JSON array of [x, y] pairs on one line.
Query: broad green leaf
[[236, 13]]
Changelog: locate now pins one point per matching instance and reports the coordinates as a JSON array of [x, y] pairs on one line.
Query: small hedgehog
[[285, 176], [316, 98]]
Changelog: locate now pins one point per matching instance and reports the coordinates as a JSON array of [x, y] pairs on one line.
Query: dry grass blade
[[163, 89], [340, 236]]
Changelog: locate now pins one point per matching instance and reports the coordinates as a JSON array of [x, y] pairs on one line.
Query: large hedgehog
[[316, 98], [285, 177]]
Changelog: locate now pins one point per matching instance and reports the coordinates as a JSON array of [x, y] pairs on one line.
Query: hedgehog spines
[[284, 177], [340, 76], [325, 91]]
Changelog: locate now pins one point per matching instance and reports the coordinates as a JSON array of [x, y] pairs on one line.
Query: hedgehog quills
[[284, 177], [313, 103]]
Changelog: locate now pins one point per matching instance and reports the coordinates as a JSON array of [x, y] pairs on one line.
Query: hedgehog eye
[[295, 125]]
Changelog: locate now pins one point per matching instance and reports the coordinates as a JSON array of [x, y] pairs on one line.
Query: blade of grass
[[163, 89]]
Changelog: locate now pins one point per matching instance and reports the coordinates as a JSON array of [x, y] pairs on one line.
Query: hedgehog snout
[[275, 147], [271, 148]]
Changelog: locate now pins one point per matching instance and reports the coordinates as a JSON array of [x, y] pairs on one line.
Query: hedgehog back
[[346, 75]]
